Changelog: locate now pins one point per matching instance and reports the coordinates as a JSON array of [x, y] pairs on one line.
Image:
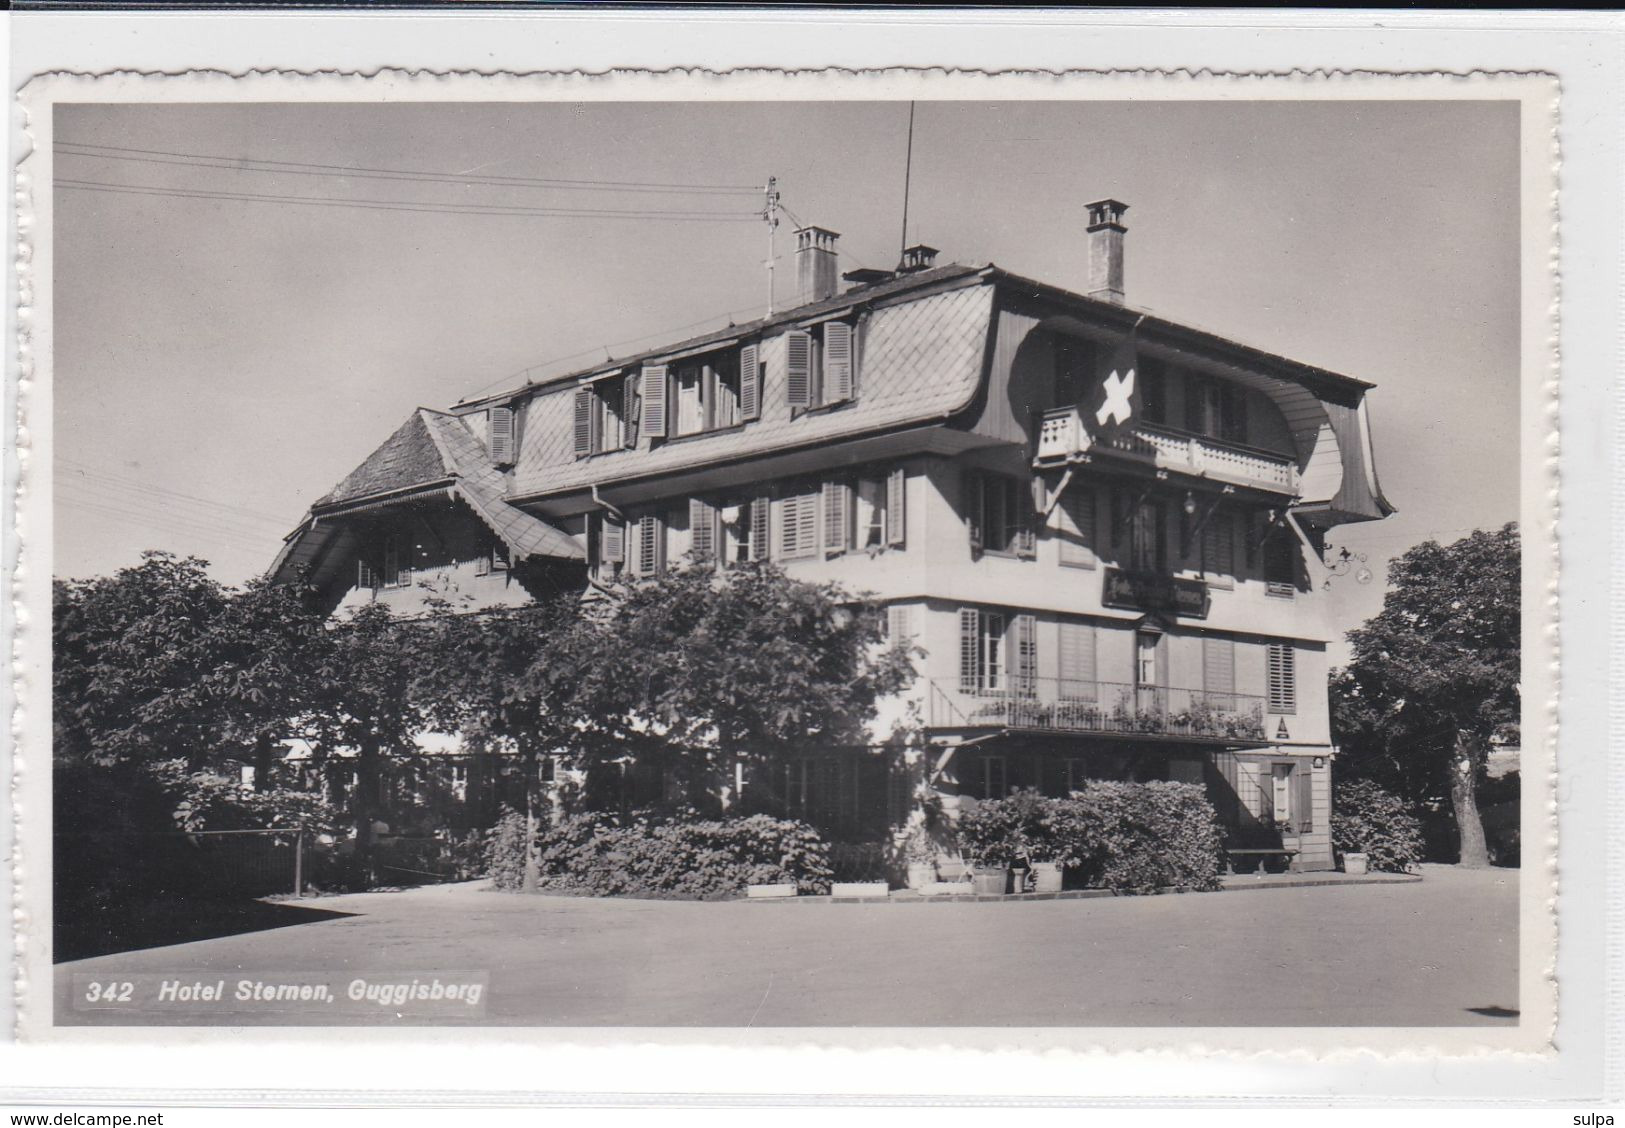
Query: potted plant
[[920, 855], [1355, 863]]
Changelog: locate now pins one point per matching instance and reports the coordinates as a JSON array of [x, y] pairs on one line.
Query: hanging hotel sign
[[1137, 591]]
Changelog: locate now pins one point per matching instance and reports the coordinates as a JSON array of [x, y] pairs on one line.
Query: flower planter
[[1046, 877], [1354, 863], [788, 889], [990, 880], [859, 889], [1018, 880], [921, 874]]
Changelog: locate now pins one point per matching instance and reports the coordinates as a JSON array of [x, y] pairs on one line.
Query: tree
[[1435, 674], [699, 673]]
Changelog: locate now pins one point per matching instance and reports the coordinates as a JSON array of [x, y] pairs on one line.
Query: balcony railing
[[1070, 705], [1061, 434]]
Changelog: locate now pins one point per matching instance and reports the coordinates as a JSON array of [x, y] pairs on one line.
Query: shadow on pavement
[[81, 933]]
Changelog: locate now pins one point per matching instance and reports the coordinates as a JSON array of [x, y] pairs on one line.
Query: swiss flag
[[1116, 401]]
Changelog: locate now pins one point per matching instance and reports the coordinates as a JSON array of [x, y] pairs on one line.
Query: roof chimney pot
[[1106, 232], [917, 258], [816, 276]]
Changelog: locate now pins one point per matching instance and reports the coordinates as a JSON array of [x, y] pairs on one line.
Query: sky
[[222, 362]]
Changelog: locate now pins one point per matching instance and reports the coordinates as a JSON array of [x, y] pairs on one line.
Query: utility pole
[[770, 213]]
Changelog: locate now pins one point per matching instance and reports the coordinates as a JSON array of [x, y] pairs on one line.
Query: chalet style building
[[1104, 529]]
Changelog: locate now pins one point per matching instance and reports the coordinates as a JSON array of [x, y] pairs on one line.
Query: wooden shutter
[[800, 524], [1219, 673], [1024, 641], [1303, 811], [1018, 509], [1282, 679], [1077, 662], [900, 624], [651, 546], [837, 362], [702, 529], [750, 383], [499, 424], [584, 421], [629, 410], [1078, 527], [761, 526], [970, 649], [656, 393], [897, 508], [798, 368], [975, 505], [837, 517], [612, 540]]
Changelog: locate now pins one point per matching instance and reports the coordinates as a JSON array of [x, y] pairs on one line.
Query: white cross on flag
[[1116, 402]]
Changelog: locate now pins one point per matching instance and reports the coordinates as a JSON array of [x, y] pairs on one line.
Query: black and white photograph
[[793, 562]]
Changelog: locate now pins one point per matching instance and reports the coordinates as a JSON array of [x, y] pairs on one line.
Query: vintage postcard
[[911, 559]]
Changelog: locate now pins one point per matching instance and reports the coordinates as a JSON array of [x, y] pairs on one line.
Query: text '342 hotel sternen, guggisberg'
[[1102, 528]]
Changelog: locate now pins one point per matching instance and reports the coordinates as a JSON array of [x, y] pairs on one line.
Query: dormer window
[[601, 413], [709, 393], [820, 365]]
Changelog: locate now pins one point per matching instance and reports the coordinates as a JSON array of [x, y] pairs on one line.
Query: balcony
[[1062, 436], [1066, 705]]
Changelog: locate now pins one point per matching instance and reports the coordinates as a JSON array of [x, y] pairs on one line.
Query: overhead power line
[[304, 168], [407, 205], [80, 472]]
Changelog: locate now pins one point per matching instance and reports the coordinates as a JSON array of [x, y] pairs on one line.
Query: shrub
[[1368, 820], [505, 850], [1127, 837], [665, 854]]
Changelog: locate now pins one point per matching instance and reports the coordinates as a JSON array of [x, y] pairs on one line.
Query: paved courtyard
[[1441, 952]]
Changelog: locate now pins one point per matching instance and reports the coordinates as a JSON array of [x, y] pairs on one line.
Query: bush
[[1368, 820], [667, 855], [1127, 837]]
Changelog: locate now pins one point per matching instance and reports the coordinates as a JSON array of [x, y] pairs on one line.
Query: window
[[1148, 538], [459, 783], [706, 395], [1280, 565], [1153, 376], [1289, 798], [689, 387], [1282, 678], [1216, 408], [610, 542], [747, 526], [1077, 662], [798, 525], [997, 652], [1077, 527], [397, 561], [1219, 546], [1000, 515], [1076, 371], [1145, 658], [994, 779], [820, 366], [493, 558], [900, 624]]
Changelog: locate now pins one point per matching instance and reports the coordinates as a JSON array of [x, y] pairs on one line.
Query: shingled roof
[[408, 458]]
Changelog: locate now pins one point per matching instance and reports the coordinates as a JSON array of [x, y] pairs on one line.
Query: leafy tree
[[1435, 674], [700, 672]]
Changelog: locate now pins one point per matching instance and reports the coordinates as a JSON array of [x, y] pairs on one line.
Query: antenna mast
[[908, 175], [770, 213]]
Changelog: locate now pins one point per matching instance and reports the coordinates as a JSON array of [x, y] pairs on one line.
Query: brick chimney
[[1106, 232], [816, 274]]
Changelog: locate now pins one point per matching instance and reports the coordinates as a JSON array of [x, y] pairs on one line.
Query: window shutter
[[837, 362], [1078, 527], [583, 418], [970, 623], [655, 395], [798, 368], [900, 624], [1303, 810], [1077, 662], [702, 529], [1219, 672], [1019, 509], [366, 576], [651, 546], [975, 504], [612, 544], [897, 508], [1283, 688], [837, 517], [750, 383], [1025, 632], [761, 525], [629, 410], [807, 524], [499, 424]]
